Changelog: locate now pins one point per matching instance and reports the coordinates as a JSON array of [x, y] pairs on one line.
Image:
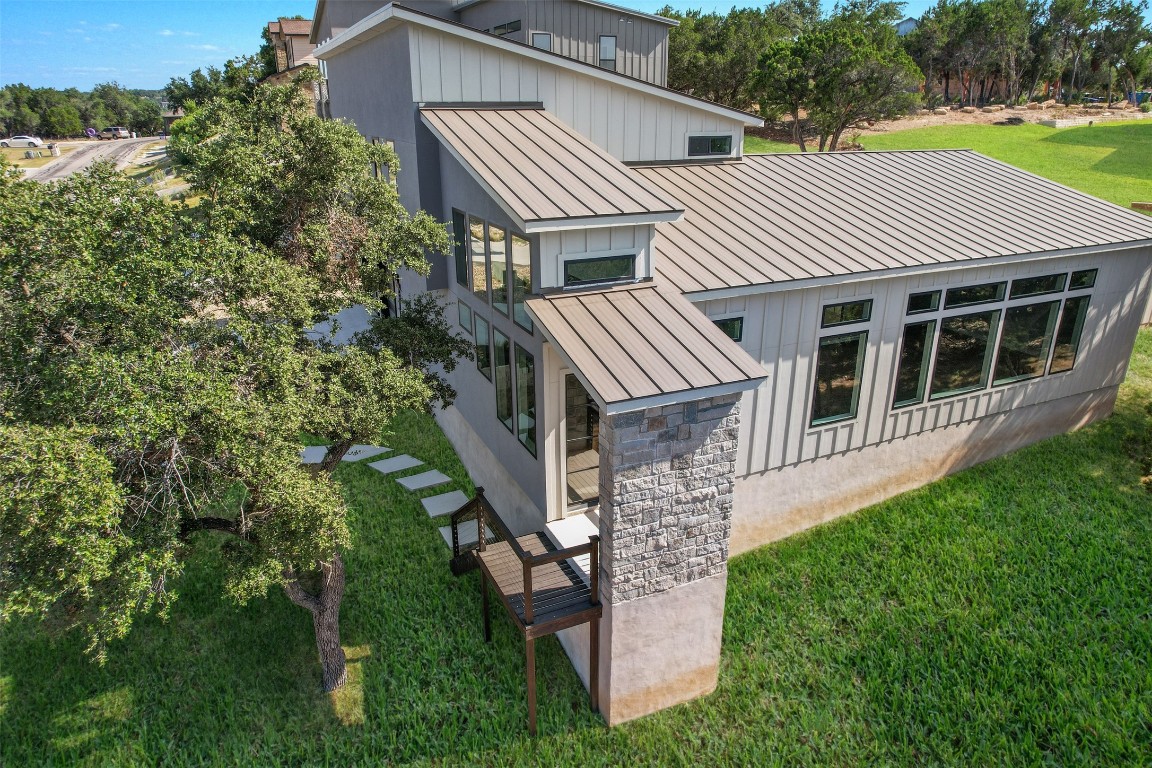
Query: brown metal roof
[[775, 218], [545, 175], [639, 347]]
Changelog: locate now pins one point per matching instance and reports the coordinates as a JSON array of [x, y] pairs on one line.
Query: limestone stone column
[[666, 482]]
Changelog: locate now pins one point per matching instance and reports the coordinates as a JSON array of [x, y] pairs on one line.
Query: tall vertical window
[[839, 364], [502, 370], [464, 313], [1025, 341], [1068, 336], [608, 51], [460, 234], [498, 258], [912, 368], [483, 353], [526, 399], [479, 258], [964, 353], [521, 280]]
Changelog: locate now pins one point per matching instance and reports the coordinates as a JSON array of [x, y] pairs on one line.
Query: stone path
[[444, 504], [314, 454], [424, 480], [395, 464]]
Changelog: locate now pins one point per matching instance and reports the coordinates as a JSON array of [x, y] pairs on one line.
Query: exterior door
[[581, 447]]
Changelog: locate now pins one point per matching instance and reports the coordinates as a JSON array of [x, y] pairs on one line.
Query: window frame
[[585, 259], [601, 58], [518, 387], [461, 309], [729, 135], [510, 399], [460, 251], [862, 352], [486, 372], [738, 319], [532, 40]]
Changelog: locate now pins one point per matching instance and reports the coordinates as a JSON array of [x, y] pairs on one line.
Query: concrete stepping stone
[[424, 480], [444, 504], [361, 452], [395, 464], [313, 454], [467, 534]]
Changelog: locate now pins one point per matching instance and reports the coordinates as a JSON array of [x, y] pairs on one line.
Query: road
[[120, 151]]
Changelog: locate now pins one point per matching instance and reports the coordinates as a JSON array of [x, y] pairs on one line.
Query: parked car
[[115, 132], [22, 141]]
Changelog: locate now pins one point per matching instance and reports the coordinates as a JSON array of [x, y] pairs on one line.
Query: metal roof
[[640, 347], [544, 175], [462, 4], [777, 218]]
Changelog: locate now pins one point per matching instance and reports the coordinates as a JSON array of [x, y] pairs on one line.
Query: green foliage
[[59, 114], [236, 81]]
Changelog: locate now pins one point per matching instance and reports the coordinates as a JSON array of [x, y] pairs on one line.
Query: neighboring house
[[907, 26], [170, 117], [293, 53], [693, 352]]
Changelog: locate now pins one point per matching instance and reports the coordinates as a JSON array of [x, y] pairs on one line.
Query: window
[[733, 327], [912, 368], [498, 258], [502, 368], [521, 281], [963, 353], [526, 399], [1025, 340], [929, 301], [839, 362], [848, 312], [506, 29], [1068, 336], [1035, 286], [608, 51], [479, 258], [699, 146], [603, 269], [1084, 278], [974, 294], [460, 233], [542, 40], [465, 315], [483, 353]]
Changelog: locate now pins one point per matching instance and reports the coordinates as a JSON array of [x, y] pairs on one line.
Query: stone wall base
[[781, 502]]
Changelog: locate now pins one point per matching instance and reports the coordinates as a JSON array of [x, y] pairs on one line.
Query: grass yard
[[15, 155], [754, 145], [1000, 616]]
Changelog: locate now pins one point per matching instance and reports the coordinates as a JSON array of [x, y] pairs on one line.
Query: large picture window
[[526, 399], [1034, 330], [839, 363], [502, 372]]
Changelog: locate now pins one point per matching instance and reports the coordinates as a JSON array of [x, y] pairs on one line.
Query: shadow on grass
[[240, 685], [1129, 141]]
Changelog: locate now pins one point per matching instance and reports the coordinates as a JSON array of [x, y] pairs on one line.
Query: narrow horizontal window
[[504, 29], [1036, 286], [928, 301], [1083, 278], [1071, 327], [699, 146], [912, 367], [839, 363], [608, 51], [604, 269], [974, 294], [542, 40], [483, 352], [848, 312], [1025, 341], [526, 399], [460, 234], [465, 314], [733, 327], [502, 370], [963, 353]]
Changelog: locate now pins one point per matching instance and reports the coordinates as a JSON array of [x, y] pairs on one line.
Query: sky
[[145, 43]]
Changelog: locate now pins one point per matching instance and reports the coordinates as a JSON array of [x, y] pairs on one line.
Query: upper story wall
[[334, 16], [641, 44], [629, 125]]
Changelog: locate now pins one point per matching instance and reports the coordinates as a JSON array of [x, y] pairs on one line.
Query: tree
[[170, 356], [62, 120], [784, 82]]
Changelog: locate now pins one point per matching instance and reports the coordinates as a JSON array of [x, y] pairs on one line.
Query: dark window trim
[[517, 349], [710, 137], [837, 323], [606, 63], [859, 374], [738, 320], [583, 283]]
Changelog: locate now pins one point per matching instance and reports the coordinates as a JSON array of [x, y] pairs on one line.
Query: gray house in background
[[692, 352]]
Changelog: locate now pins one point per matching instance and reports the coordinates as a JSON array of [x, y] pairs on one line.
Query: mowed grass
[[1000, 616], [1111, 160], [754, 145]]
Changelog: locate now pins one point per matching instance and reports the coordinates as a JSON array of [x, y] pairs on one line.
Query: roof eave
[[582, 222]]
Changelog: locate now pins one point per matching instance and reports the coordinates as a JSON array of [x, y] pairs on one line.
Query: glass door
[[581, 446]]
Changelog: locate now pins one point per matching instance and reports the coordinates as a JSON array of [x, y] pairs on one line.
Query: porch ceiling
[[544, 175], [639, 347]]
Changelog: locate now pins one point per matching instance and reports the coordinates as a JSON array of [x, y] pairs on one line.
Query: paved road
[[120, 151]]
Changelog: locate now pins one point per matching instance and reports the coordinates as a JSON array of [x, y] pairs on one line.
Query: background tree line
[[62, 113]]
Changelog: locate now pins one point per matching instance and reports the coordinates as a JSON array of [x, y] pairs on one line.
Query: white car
[[22, 141]]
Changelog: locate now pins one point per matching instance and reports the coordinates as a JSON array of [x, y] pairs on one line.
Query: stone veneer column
[[666, 482]]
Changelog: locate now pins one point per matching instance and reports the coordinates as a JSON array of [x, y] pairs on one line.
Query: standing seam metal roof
[[542, 171], [775, 218]]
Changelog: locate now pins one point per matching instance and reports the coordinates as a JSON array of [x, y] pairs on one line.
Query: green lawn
[[999, 616], [1112, 161]]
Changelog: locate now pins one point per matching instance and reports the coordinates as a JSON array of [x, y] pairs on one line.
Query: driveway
[[120, 151]]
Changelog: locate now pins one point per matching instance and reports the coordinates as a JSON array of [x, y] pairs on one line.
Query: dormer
[[609, 36]]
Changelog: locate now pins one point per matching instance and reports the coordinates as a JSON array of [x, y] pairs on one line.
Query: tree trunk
[[947, 79], [332, 459], [325, 610]]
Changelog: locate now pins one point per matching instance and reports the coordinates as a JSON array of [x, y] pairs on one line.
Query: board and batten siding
[[629, 125], [557, 247], [782, 331], [641, 44]]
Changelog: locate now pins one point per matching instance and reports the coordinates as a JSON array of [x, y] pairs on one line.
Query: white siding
[[556, 247], [629, 125], [781, 330]]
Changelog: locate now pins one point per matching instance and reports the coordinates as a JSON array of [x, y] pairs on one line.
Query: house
[[907, 26], [692, 352], [292, 49]]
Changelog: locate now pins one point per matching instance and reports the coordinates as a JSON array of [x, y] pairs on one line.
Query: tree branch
[[188, 527], [297, 594]]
